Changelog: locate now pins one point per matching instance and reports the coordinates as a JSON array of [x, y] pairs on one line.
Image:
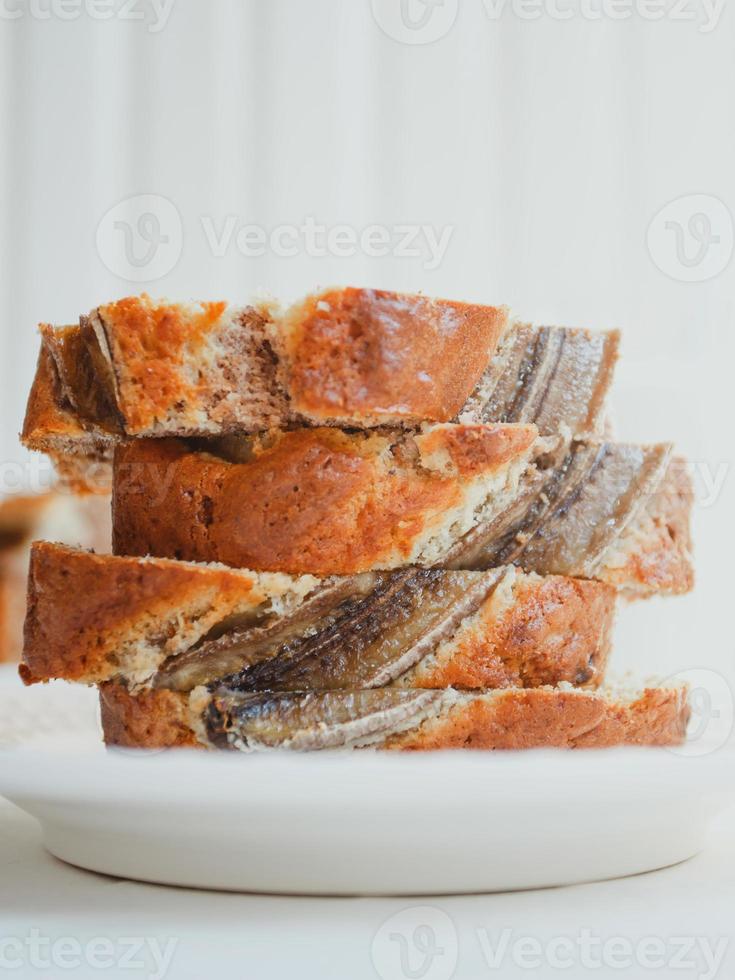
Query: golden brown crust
[[655, 554], [115, 603], [150, 343], [544, 718], [150, 720], [509, 719], [186, 369], [140, 367], [46, 417], [361, 354], [552, 630], [81, 452], [316, 500]]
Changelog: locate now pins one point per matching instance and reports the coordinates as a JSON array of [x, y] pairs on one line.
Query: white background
[[547, 146]]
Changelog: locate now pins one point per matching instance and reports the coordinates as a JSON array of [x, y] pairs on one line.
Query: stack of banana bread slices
[[371, 519]]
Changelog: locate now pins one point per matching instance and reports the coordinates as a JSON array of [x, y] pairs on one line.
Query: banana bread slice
[[174, 626], [391, 718], [138, 367], [329, 502], [321, 501], [353, 357]]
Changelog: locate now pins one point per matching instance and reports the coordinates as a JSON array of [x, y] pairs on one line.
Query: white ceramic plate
[[346, 824]]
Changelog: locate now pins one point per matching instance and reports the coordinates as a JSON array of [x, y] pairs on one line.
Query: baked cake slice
[[167, 625]]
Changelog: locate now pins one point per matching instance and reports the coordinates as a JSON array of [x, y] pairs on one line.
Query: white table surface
[[244, 936]]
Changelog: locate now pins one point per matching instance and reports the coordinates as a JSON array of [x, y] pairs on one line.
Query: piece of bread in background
[[82, 521]]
